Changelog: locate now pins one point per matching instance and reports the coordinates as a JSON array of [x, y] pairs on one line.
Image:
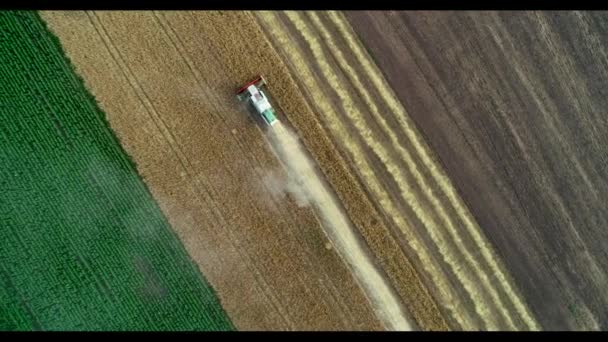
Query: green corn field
[[83, 245]]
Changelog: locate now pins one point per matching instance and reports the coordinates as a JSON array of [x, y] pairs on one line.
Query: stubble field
[[514, 104]]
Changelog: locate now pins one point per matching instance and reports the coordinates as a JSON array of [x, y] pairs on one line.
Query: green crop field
[[83, 245]]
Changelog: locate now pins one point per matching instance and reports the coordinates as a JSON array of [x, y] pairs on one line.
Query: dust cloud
[[306, 186]]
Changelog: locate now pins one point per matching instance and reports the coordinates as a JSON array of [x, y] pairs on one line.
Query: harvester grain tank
[[252, 92]]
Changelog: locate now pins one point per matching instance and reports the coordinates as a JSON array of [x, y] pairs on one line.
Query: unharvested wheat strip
[[305, 294], [309, 261], [305, 73], [411, 164], [441, 179], [357, 119], [178, 153], [167, 135], [267, 290], [328, 284]]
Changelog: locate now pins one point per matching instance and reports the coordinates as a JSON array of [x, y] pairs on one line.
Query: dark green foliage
[[83, 245]]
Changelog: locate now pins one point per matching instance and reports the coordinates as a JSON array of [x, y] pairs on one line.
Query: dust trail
[[305, 184]]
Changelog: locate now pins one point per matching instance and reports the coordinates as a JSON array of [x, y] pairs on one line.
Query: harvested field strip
[[355, 116], [406, 190], [475, 270], [207, 164], [437, 206], [517, 102], [438, 174], [357, 153], [439, 177], [83, 246], [407, 284]]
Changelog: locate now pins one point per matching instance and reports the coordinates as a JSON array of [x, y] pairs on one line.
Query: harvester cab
[[253, 93]]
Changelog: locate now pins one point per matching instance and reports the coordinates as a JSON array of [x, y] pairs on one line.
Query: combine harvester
[[252, 91]]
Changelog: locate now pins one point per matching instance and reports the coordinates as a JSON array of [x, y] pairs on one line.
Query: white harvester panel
[[260, 102]]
